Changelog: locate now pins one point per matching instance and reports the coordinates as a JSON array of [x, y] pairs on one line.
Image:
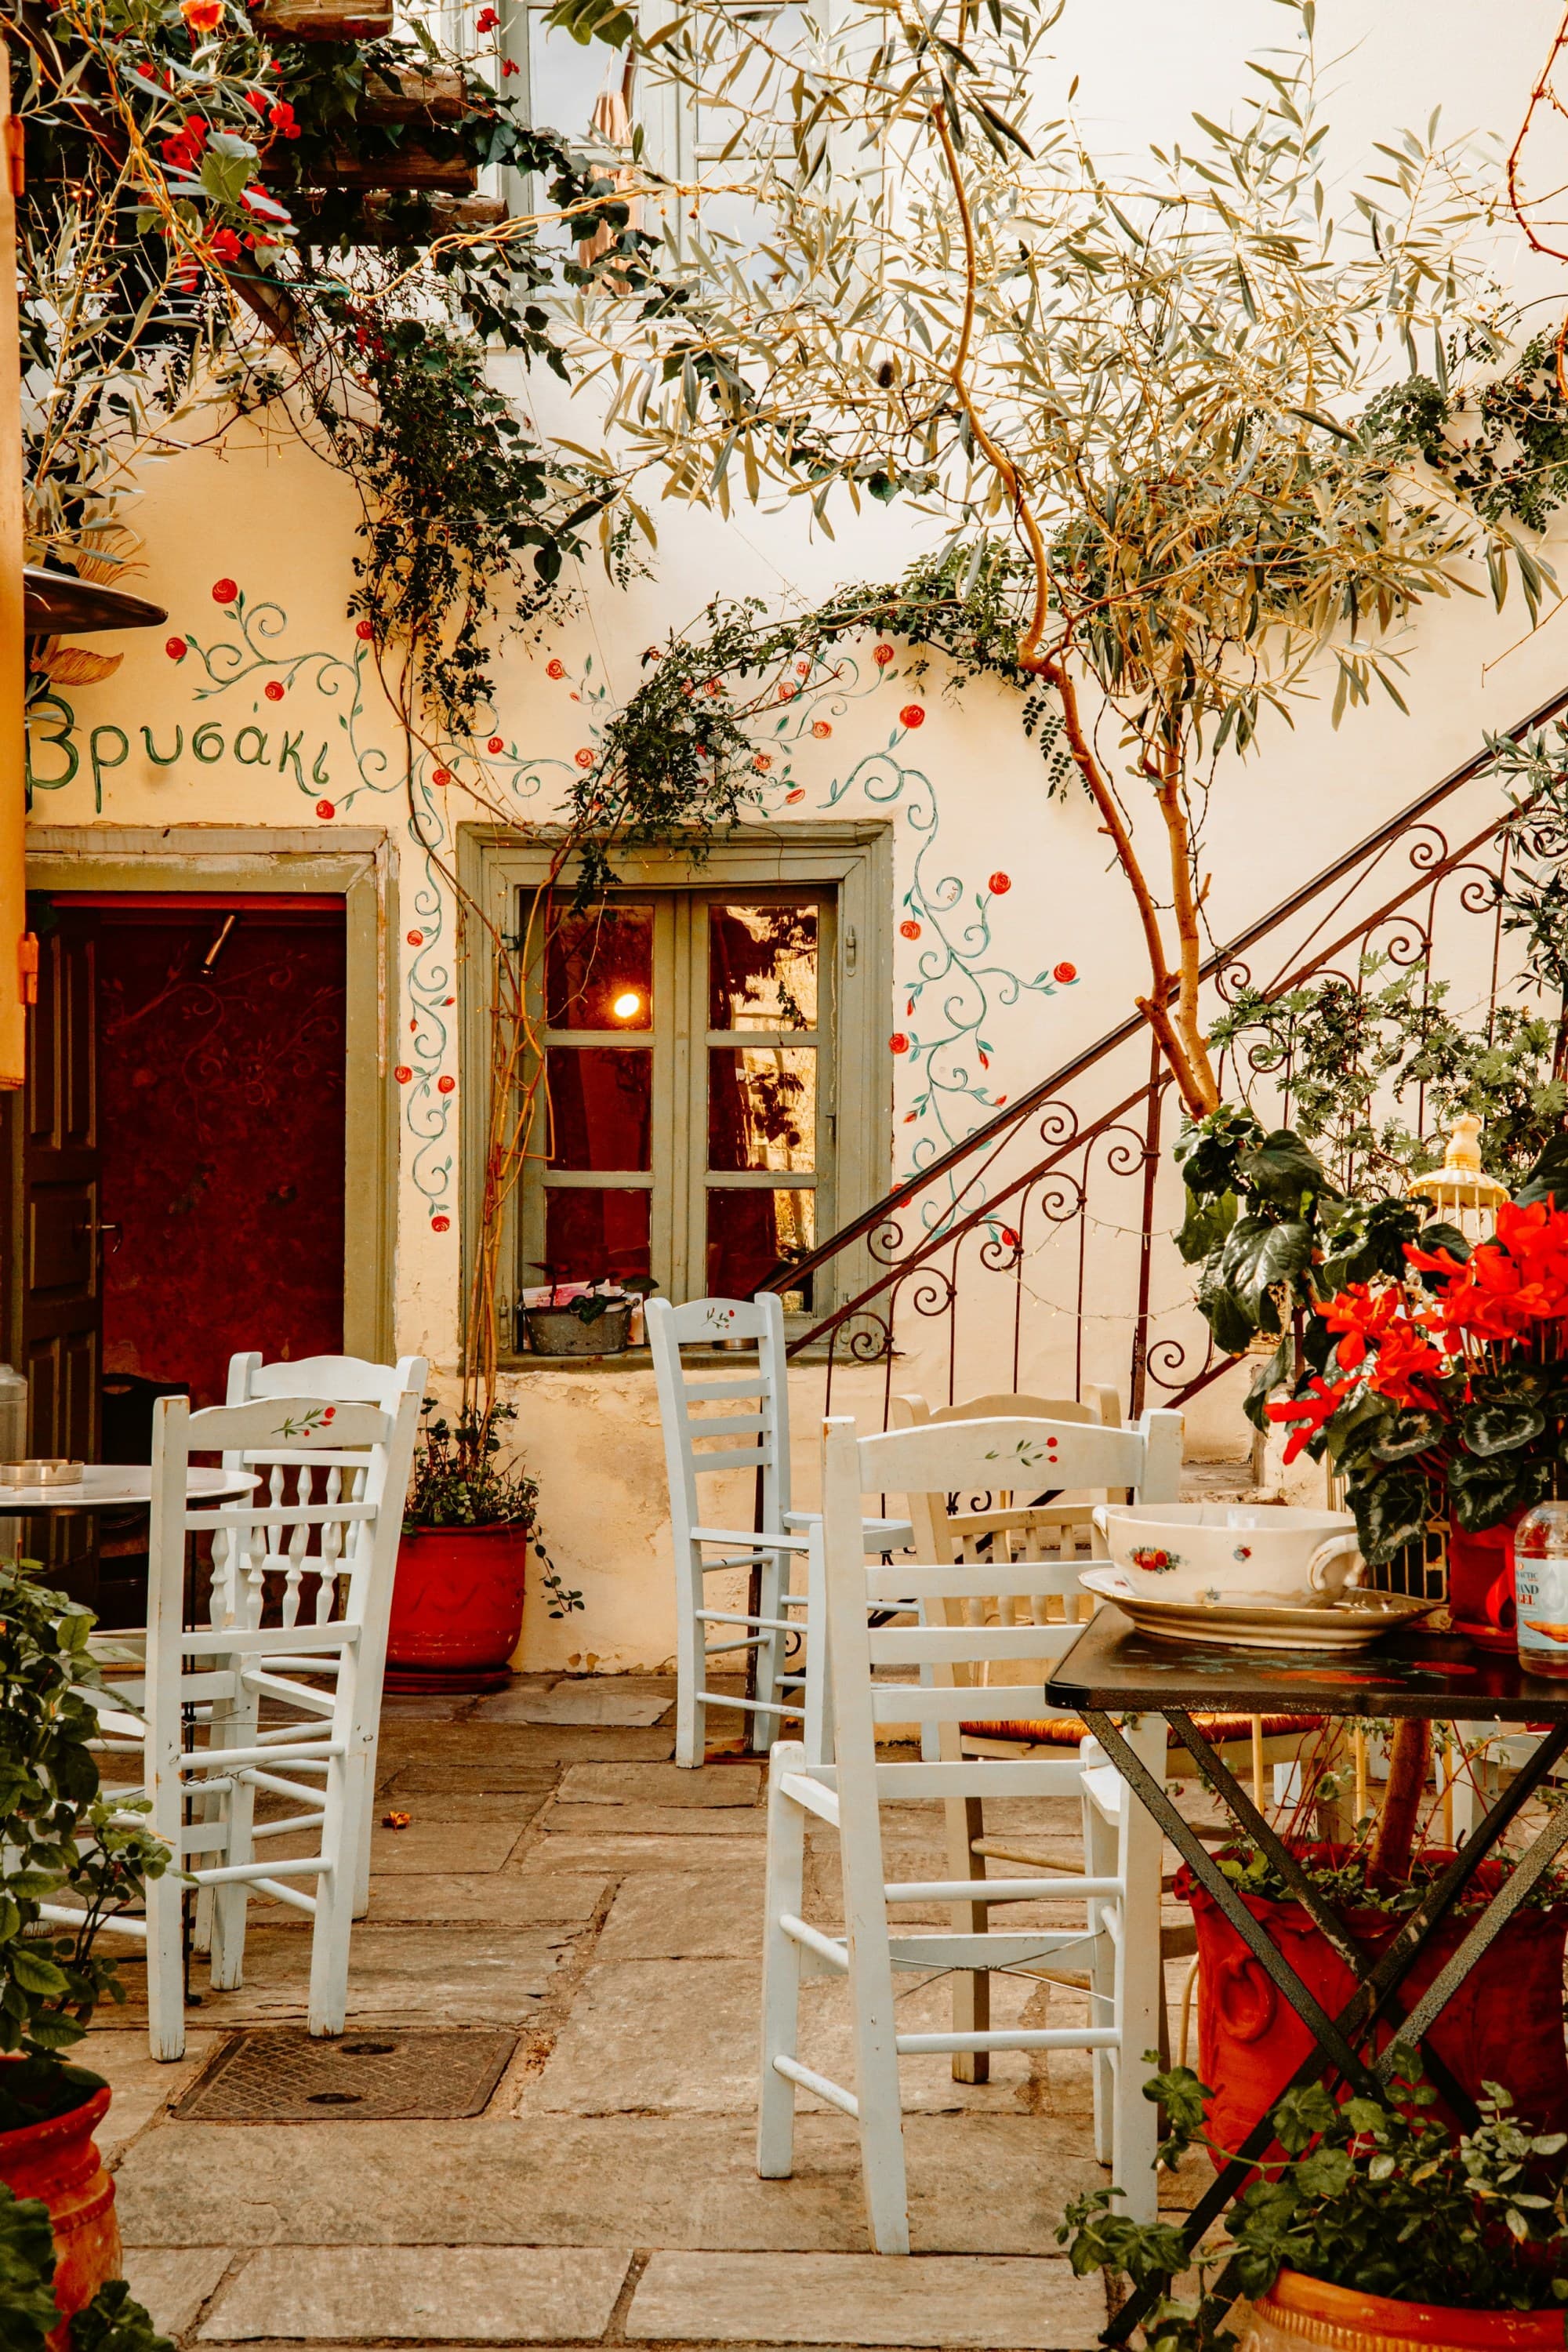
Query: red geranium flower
[[912, 715]]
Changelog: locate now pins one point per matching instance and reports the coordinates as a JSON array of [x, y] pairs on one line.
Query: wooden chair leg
[[781, 1969], [691, 1715], [166, 1967], [970, 1987]]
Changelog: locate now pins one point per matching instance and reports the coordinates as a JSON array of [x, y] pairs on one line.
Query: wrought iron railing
[[1037, 1254]]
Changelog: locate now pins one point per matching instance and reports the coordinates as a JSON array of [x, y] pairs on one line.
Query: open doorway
[[178, 1171]]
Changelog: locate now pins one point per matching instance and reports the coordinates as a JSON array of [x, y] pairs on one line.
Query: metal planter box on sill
[[556, 1332]]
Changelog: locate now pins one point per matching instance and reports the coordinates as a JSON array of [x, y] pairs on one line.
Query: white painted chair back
[[201, 1685], [1118, 1943], [337, 1381]]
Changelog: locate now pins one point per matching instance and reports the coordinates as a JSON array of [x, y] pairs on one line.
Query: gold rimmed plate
[[1347, 1625]]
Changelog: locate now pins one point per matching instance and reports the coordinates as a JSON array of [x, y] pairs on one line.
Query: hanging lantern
[[1461, 1192]]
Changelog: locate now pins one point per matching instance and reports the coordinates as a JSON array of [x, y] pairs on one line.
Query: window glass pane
[[749, 1233], [566, 77], [761, 967], [601, 1098], [598, 969], [589, 1234], [761, 1106]]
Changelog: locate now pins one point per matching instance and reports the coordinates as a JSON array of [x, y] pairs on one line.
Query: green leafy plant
[[460, 1481], [1374, 2194], [60, 1837], [111, 2322]]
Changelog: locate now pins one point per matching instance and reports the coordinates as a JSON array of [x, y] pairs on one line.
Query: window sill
[[640, 1359]]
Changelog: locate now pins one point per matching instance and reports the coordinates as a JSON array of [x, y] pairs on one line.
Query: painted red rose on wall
[[225, 590]]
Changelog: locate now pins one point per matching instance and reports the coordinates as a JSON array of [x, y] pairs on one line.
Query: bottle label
[[1541, 1587]]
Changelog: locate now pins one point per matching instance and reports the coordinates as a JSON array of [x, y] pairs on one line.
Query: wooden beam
[[17, 982], [420, 94], [322, 20], [450, 216]]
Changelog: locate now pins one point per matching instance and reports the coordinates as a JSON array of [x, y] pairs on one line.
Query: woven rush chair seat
[[1067, 1731]]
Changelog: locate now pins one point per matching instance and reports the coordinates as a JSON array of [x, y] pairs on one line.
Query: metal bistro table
[[1112, 1670]]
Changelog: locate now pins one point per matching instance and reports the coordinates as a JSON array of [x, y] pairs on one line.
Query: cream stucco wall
[[262, 708]]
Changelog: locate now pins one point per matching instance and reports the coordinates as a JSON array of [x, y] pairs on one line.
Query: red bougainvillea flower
[[762, 763], [1066, 972], [912, 715], [555, 669], [798, 794], [226, 245], [910, 931], [325, 808], [898, 1043], [257, 100], [821, 729], [486, 21], [882, 657], [224, 592], [403, 1074], [146, 72], [280, 115], [445, 1086], [364, 630], [176, 648], [584, 759], [273, 690], [415, 938], [1310, 1412], [441, 776], [440, 1224], [495, 744], [508, 66], [999, 885]]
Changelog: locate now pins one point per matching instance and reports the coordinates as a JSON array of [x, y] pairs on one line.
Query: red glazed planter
[[58, 2160], [1503, 2025], [457, 1608], [1299, 2311], [1481, 1583]]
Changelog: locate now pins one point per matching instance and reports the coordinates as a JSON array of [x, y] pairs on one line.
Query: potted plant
[[58, 1838], [590, 1318], [1375, 2226], [30, 2286], [470, 1527]]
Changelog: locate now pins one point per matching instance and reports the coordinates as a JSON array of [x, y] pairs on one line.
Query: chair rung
[[233, 1872], [806, 2079], [226, 1759], [1045, 2037], [293, 1896], [285, 1829], [751, 1538], [801, 1931], [1002, 1890], [746, 1706], [988, 1953], [739, 1617], [726, 1649]]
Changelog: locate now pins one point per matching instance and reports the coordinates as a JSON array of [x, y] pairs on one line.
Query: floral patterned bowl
[[1266, 1554]]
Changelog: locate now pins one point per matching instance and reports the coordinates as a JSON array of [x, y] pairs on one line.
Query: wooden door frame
[[355, 861]]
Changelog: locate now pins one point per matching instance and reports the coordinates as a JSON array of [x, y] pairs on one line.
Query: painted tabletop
[[106, 1485], [1110, 1667]]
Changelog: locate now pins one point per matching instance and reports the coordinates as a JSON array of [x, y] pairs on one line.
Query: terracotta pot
[[58, 2161], [1503, 2025], [457, 1608], [1481, 1583], [1299, 2311]]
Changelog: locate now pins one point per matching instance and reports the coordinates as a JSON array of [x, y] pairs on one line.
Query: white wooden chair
[[202, 1753], [339, 1380], [1117, 1944], [755, 1401]]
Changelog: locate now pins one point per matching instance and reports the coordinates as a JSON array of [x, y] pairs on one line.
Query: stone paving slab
[[685, 1914], [465, 1806], [442, 1977], [486, 1756], [660, 1784], [143, 2085], [595, 1699], [692, 1821], [978, 2183], [447, 1846], [493, 1898], [427, 2294], [173, 2282], [562, 1849], [606, 2060], [1012, 2305]]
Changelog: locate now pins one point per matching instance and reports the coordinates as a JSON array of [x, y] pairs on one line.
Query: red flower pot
[[1299, 2311], [1481, 1583], [1503, 2025], [58, 2160], [457, 1608]]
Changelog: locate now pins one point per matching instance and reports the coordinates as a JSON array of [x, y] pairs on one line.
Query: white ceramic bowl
[[1265, 1554]]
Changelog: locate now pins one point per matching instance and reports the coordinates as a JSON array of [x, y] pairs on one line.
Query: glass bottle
[[1541, 1589]]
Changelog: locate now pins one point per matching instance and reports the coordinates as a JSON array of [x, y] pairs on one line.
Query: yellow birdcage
[[1461, 1191]]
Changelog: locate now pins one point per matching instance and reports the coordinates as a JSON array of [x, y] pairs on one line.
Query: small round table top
[[112, 1485]]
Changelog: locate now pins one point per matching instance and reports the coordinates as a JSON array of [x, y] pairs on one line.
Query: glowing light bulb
[[626, 1005]]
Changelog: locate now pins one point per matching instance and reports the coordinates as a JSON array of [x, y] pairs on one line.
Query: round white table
[[114, 1486]]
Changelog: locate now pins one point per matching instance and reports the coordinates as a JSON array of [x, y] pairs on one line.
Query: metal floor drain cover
[[282, 2076]]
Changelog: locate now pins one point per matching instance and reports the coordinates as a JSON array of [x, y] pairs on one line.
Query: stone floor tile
[[685, 1914], [597, 1698], [469, 1806], [660, 1784], [978, 2183], [586, 1821], [440, 1976], [426, 1706], [143, 2085], [495, 1898], [172, 2282], [484, 1756], [612, 1857], [447, 1846], [1021, 2304], [606, 2061], [450, 2295]]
